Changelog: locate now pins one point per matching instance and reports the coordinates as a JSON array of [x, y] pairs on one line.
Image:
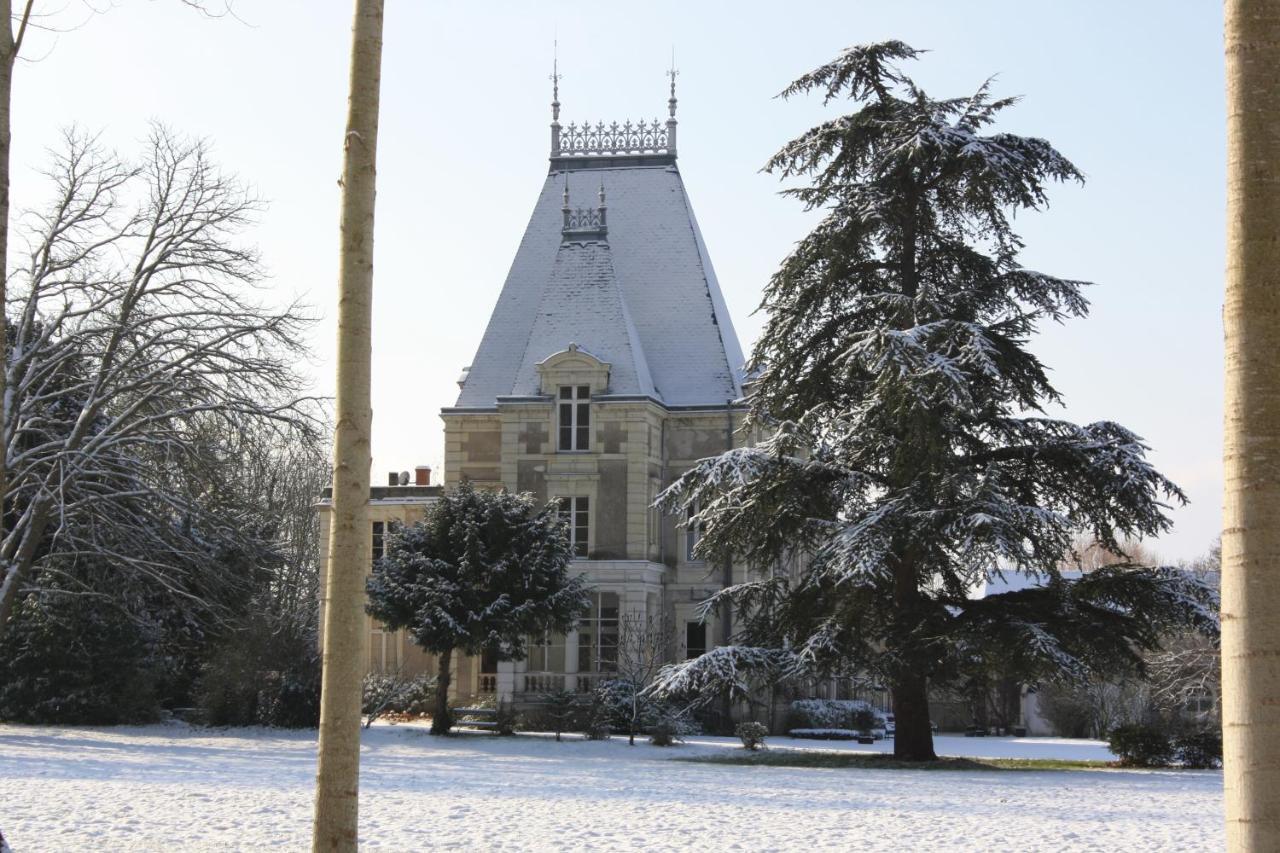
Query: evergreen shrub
[[1201, 749], [1142, 746], [752, 735]]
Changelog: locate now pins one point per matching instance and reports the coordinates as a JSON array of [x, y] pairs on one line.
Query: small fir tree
[[563, 708], [911, 457], [481, 572]]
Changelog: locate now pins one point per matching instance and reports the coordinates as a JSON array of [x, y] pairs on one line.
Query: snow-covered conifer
[[481, 572], [913, 456]]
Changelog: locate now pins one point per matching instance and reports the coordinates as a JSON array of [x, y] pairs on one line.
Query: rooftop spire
[[671, 104], [555, 97], [555, 81], [672, 73]]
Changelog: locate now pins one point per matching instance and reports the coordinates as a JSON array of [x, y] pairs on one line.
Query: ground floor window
[[695, 639], [598, 635], [384, 649], [546, 653]]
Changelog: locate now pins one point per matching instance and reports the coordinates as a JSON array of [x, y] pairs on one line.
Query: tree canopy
[[480, 573], [912, 455]]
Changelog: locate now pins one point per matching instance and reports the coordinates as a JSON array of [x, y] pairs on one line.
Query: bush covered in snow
[[611, 706], [1142, 746], [829, 714], [752, 734], [1201, 749], [666, 733], [396, 693]]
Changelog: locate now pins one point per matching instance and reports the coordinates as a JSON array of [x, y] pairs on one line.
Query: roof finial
[[555, 98], [555, 80], [602, 192], [672, 73]]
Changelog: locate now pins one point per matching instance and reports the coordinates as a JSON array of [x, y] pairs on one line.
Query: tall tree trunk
[[913, 738], [1251, 453], [913, 735], [9, 47], [442, 719], [8, 56], [345, 632]]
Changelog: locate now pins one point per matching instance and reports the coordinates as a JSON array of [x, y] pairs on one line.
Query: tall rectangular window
[[575, 513], [695, 639], [379, 541], [575, 417], [598, 635], [693, 532]]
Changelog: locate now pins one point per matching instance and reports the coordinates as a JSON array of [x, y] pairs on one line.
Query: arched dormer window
[[571, 377]]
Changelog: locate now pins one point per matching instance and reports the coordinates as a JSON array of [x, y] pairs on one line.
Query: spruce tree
[[911, 457], [481, 572]]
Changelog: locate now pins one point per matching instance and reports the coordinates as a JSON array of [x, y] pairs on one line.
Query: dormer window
[[575, 417]]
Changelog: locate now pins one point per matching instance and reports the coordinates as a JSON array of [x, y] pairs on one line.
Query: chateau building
[[609, 366]]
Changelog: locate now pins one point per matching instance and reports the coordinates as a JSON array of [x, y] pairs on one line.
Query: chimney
[[422, 475], [393, 479]]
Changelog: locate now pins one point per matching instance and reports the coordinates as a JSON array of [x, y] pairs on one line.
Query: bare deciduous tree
[[134, 326], [643, 642]]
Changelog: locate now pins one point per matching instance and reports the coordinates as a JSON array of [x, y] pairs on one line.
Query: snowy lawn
[[170, 787]]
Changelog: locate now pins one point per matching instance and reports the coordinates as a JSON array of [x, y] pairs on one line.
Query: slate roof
[[644, 299]]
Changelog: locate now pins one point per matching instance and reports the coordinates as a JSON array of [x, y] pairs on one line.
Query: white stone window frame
[[576, 403], [579, 534], [594, 625]]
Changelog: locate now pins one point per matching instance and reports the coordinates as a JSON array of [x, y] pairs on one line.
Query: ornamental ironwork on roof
[[628, 139], [584, 223], [599, 139]]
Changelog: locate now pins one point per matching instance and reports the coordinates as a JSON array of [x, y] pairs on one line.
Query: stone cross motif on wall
[[483, 446], [532, 436], [612, 437]]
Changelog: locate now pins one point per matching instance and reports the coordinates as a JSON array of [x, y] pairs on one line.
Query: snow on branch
[[723, 670]]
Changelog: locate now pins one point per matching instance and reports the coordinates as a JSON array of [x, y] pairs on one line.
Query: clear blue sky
[[1132, 92]]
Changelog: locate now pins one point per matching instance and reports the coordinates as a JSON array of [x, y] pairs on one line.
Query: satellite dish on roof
[[404, 478]]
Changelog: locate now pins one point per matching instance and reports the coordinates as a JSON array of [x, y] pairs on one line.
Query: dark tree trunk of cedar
[[441, 720], [913, 735], [913, 739]]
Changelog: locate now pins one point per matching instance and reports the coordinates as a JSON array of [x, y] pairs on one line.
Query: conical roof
[[641, 294]]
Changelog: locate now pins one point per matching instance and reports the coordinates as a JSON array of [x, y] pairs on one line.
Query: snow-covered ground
[[173, 788]]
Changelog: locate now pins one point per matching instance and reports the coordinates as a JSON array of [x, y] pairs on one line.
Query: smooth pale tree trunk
[[1251, 455], [9, 47], [338, 773]]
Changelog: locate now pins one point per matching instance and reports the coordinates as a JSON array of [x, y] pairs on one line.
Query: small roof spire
[[555, 80], [672, 73], [601, 191]]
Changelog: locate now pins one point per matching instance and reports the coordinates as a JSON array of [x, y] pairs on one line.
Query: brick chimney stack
[[422, 475]]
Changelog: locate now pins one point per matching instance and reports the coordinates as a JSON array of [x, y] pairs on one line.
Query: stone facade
[[608, 368], [637, 448]]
